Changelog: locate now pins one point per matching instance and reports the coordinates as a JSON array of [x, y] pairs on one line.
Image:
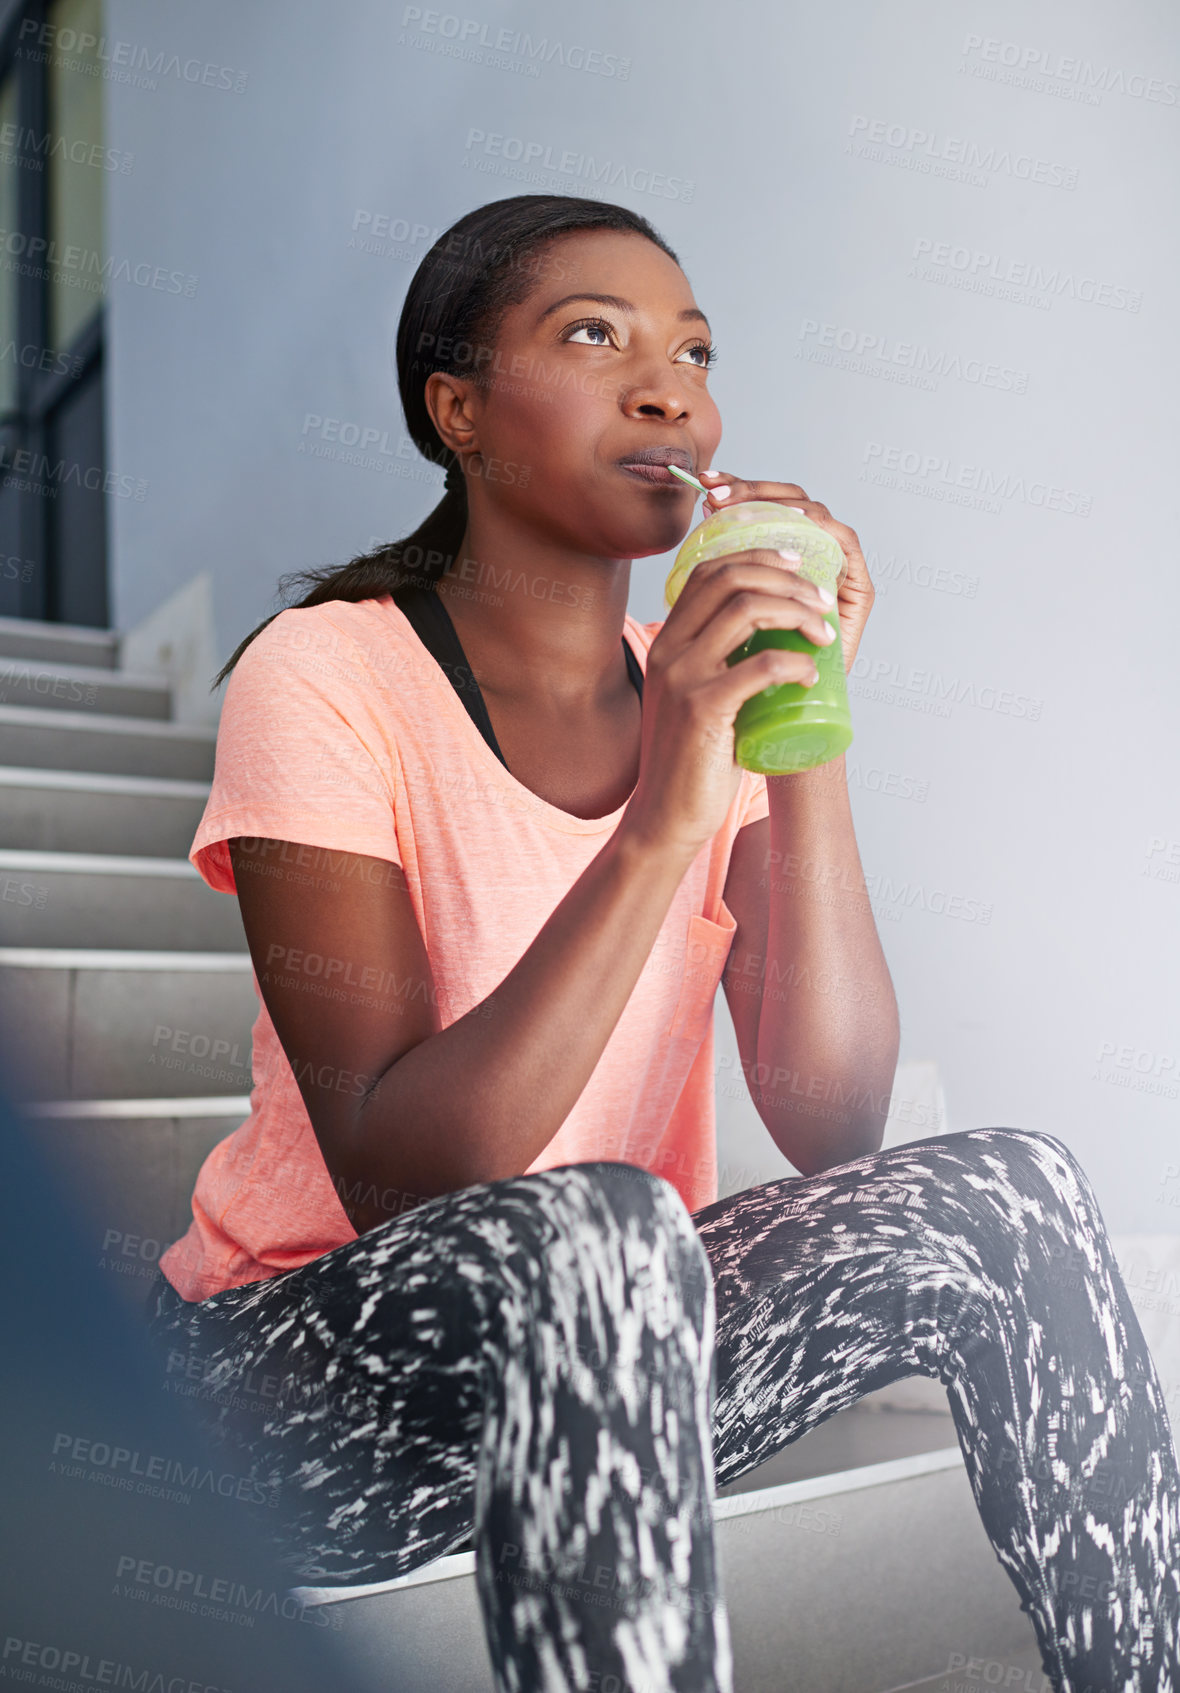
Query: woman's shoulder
[[345, 668], [645, 632], [340, 644], [332, 624]]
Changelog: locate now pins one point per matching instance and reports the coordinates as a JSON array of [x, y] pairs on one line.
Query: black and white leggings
[[559, 1368]]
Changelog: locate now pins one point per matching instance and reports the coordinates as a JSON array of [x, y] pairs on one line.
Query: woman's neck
[[548, 631]]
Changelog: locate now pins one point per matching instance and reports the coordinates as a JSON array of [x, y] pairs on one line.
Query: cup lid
[[753, 522]]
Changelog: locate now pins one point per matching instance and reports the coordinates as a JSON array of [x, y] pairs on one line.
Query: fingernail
[[701, 474], [785, 552], [799, 509], [721, 492], [828, 599]]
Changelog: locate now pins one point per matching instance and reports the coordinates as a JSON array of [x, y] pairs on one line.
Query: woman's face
[[577, 385]]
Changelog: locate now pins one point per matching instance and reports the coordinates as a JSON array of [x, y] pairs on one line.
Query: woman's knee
[[1026, 1149], [635, 1190], [637, 1198], [632, 1217], [1034, 1165], [597, 1262]]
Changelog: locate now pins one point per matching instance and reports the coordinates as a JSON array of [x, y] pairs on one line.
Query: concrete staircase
[[854, 1562], [125, 993]]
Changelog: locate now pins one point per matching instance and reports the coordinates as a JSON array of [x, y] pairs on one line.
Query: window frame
[[42, 396]]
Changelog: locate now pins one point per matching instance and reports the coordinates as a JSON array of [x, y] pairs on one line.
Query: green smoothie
[[787, 727]]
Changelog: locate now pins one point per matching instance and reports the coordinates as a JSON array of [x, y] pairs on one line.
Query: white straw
[[685, 477]]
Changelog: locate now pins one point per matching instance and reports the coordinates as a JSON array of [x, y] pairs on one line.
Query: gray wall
[[998, 438]]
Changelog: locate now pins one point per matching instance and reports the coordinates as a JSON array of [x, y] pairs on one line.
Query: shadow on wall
[[123, 1561], [178, 641]]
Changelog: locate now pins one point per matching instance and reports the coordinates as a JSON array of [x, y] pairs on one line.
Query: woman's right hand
[[688, 777]]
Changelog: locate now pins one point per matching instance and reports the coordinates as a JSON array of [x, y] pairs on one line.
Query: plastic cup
[[787, 727]]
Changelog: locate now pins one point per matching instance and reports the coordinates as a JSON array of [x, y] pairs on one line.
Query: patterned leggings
[[561, 1367]]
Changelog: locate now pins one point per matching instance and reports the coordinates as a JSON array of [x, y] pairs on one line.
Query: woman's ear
[[449, 400]]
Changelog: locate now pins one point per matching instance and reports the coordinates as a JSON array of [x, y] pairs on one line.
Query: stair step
[[84, 1023], [850, 1443], [1015, 1668], [59, 643], [68, 899], [168, 1109], [77, 811], [116, 746], [131, 1165], [81, 687], [901, 1540]]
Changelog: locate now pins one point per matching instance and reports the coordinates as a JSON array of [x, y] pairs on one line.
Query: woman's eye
[[707, 350], [594, 327], [701, 353]]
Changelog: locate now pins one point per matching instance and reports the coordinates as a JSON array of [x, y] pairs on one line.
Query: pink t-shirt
[[340, 731]]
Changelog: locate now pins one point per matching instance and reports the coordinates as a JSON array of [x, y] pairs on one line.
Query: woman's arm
[[402, 1108], [806, 982]]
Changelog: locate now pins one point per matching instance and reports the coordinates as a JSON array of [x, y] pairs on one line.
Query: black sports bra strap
[[633, 669], [433, 627], [432, 624]]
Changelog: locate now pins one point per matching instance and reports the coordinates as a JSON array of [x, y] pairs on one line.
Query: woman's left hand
[[856, 592]]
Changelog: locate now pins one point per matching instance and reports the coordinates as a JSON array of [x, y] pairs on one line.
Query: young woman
[[463, 1274]]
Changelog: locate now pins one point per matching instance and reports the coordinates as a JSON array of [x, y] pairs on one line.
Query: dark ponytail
[[484, 264]]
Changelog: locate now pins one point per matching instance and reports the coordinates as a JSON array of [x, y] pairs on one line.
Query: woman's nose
[[656, 399]]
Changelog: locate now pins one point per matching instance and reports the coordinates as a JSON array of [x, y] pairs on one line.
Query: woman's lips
[[652, 473]]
